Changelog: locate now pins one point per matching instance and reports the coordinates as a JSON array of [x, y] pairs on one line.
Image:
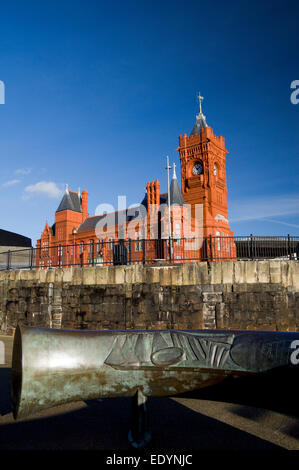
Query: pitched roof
[[13, 239], [113, 218], [70, 201]]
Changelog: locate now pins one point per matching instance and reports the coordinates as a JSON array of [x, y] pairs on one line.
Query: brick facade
[[203, 191]]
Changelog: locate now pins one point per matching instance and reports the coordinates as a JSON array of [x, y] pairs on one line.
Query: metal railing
[[174, 250]]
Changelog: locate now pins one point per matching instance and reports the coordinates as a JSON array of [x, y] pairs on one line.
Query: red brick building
[[198, 210]]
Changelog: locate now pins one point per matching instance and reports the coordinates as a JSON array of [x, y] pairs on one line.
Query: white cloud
[[263, 207], [46, 188], [10, 183], [23, 171]]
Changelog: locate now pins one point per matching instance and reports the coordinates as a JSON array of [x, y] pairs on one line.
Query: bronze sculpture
[[51, 367]]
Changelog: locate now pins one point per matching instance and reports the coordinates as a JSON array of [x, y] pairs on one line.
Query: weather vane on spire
[[174, 173], [200, 98]]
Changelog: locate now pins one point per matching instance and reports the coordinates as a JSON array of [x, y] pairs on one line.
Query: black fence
[[174, 250]]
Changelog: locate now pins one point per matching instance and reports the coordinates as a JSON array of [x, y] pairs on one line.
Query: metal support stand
[[139, 435]]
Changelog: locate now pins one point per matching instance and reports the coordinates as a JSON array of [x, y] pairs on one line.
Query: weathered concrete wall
[[228, 294]]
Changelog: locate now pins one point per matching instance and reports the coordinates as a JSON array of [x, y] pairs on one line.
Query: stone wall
[[228, 294]]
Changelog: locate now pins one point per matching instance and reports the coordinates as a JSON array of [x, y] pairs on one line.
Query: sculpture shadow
[[275, 390], [104, 425], [259, 395], [5, 378]]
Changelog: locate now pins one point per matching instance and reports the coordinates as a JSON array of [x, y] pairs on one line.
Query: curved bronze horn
[[51, 367]]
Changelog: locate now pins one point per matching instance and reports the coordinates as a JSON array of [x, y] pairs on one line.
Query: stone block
[[240, 276], [137, 272], [286, 278], [30, 275], [275, 271], [263, 271], [251, 272], [67, 274], [189, 274], [101, 275], [294, 271], [50, 277], [202, 272], [119, 274], [88, 276], [215, 272], [209, 316], [165, 276], [227, 268], [43, 275], [58, 275], [129, 271], [152, 275], [176, 276], [212, 297]]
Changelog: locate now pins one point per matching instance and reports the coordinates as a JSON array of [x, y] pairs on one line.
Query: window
[[177, 233], [218, 240], [225, 242]]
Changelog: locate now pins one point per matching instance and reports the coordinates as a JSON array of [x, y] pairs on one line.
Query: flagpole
[[168, 201]]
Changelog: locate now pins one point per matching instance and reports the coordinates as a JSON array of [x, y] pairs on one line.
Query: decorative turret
[[175, 192], [70, 201]]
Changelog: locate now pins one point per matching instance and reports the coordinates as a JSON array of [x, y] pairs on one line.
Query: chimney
[[157, 193], [84, 204], [148, 192]]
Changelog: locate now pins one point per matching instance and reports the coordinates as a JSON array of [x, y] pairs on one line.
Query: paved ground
[[178, 424]]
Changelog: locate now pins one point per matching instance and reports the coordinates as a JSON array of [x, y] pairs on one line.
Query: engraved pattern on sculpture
[[138, 350]]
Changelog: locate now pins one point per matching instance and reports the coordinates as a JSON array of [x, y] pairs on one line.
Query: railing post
[[93, 252], [251, 246], [143, 251], [8, 260], [31, 258], [289, 247], [59, 256], [169, 242], [211, 247]]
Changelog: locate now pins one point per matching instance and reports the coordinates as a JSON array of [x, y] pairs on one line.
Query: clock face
[[197, 169]]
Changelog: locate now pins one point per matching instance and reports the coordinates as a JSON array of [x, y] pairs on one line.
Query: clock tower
[[202, 156]]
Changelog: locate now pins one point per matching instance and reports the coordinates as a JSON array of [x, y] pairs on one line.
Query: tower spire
[[174, 173], [201, 122]]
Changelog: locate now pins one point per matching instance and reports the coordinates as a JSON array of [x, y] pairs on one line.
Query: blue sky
[[96, 95]]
